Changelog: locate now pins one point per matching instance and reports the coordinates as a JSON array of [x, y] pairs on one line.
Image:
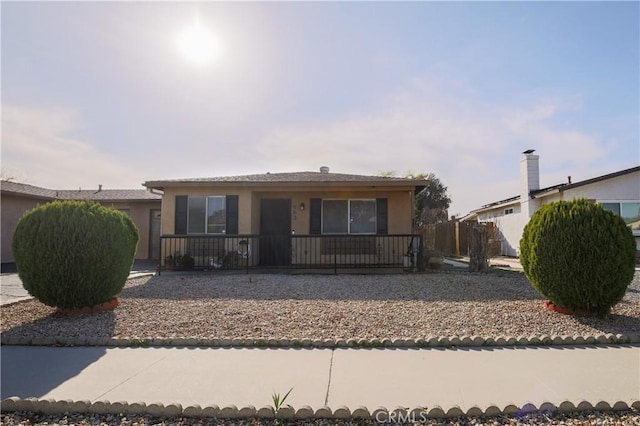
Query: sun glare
[[198, 45]]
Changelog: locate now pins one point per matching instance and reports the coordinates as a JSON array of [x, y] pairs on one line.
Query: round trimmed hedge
[[578, 255], [74, 254]]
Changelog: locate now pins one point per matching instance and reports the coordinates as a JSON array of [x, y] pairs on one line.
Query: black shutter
[[315, 216], [182, 208], [232, 215], [381, 216]]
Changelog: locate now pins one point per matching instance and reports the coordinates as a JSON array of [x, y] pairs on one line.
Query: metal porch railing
[[245, 252]]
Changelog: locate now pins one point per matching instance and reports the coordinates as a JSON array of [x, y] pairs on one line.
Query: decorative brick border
[[428, 342], [381, 414]]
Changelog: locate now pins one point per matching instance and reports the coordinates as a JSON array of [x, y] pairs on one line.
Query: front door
[[275, 232]]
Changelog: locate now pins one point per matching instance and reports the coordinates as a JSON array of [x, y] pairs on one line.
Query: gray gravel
[[214, 305]]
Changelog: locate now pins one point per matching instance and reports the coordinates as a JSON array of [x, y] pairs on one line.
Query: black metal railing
[[244, 252]]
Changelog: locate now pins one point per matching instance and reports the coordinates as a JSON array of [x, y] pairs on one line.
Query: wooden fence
[[454, 238]]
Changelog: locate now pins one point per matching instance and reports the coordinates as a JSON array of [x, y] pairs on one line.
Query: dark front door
[[275, 232]]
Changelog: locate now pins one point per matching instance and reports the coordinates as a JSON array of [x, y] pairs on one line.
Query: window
[[216, 215], [349, 216], [362, 216], [197, 215], [211, 215], [629, 211], [206, 215], [508, 211], [614, 207]]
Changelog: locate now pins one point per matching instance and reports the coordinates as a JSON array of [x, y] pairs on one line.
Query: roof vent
[[324, 169]]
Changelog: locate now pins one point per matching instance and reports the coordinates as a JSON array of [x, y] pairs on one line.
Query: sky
[[111, 93]]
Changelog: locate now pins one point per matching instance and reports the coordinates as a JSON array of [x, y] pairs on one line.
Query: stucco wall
[[622, 188], [508, 226], [140, 213], [12, 210]]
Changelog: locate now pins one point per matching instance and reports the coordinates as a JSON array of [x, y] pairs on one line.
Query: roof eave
[[499, 204], [162, 185], [28, 195]]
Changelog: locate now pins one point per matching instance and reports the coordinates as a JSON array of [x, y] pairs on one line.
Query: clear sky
[[104, 93]]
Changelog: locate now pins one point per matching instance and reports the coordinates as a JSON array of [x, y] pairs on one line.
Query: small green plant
[[278, 401], [74, 254], [578, 255]]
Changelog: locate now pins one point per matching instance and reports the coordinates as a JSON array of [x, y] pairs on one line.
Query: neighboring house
[[618, 192], [298, 219], [141, 205]]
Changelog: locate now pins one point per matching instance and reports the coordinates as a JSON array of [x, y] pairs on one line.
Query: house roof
[[26, 190], [564, 186], [556, 188], [292, 179], [111, 195], [30, 191]]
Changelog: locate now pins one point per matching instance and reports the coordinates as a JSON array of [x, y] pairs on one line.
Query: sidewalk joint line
[[129, 378], [326, 398]]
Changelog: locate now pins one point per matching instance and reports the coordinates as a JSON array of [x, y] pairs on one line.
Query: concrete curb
[[380, 414], [428, 342]]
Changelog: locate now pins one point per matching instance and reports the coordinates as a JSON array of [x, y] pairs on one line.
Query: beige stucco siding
[[400, 210], [140, 213]]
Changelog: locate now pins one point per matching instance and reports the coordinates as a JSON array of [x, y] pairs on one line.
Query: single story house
[[141, 205], [299, 219], [618, 191]]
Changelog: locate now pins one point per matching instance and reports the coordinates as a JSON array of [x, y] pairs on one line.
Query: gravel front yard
[[322, 307]]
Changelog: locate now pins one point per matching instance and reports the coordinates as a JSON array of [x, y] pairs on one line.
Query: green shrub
[[73, 254], [579, 255]]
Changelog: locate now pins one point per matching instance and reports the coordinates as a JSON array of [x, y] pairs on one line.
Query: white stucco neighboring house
[[618, 191]]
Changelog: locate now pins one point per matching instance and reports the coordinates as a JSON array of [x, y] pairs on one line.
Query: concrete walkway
[[501, 262], [12, 291], [334, 377]]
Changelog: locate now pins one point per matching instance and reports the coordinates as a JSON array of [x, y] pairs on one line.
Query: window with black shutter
[[206, 215]]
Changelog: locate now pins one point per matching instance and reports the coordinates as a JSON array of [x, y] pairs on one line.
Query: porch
[[320, 252]]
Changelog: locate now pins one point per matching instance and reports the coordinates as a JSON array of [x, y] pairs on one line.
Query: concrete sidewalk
[[326, 377]]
